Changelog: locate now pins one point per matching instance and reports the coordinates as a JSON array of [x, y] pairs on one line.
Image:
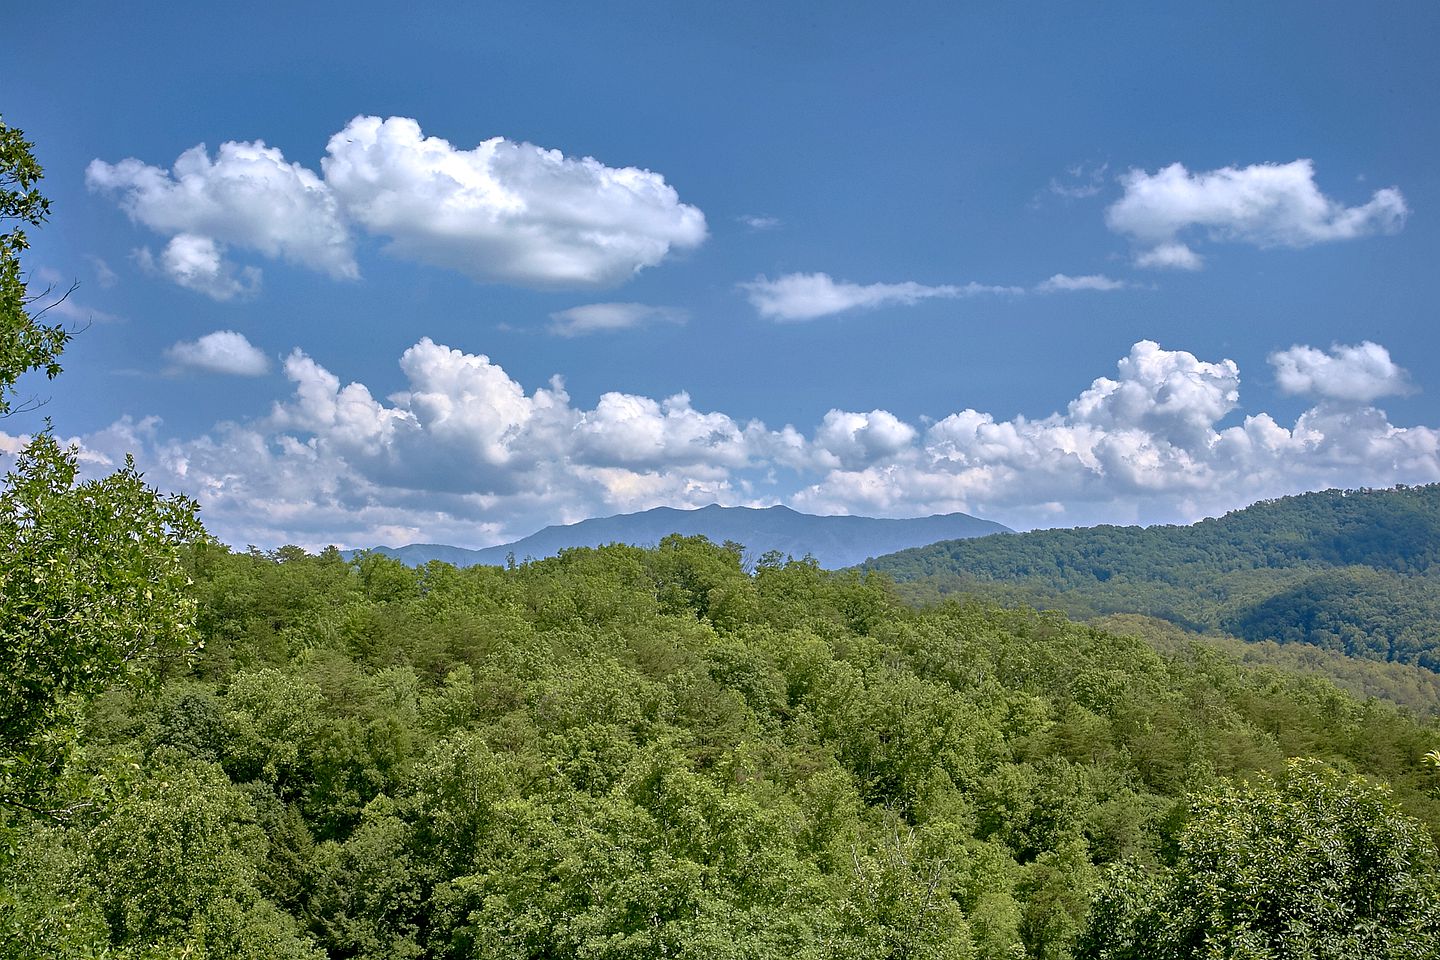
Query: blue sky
[[1142, 262]]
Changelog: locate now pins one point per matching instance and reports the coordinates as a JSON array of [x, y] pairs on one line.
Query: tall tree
[[92, 589]]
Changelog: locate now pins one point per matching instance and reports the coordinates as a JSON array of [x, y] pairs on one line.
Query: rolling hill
[[1356, 572]]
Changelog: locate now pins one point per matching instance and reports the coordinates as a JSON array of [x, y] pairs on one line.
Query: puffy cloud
[[247, 196], [1161, 392], [1147, 445], [1265, 204], [1062, 283], [224, 351], [196, 263], [850, 440], [607, 317], [1362, 373], [505, 211], [805, 296], [347, 420], [468, 455], [624, 429]]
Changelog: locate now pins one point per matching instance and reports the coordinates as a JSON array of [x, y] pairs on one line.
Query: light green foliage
[[161, 865], [91, 592], [1310, 864], [664, 863]]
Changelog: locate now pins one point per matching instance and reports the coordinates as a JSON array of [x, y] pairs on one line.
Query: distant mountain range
[[833, 541]]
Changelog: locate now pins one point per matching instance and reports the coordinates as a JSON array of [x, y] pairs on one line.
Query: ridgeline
[[1353, 572]]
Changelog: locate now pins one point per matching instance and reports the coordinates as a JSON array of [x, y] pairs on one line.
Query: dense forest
[[1352, 571], [636, 753]]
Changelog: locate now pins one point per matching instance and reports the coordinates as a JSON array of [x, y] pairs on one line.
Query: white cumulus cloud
[[1363, 372], [505, 211], [1147, 445], [467, 454], [247, 196], [625, 429], [196, 263], [1265, 204], [850, 440], [224, 351]]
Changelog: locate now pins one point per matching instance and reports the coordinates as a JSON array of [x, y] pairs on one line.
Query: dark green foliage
[[1373, 614], [1354, 572]]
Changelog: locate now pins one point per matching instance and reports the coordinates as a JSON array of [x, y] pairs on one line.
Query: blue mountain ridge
[[834, 542]]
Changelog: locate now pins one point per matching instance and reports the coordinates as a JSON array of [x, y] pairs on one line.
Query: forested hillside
[[640, 753], [1349, 571]]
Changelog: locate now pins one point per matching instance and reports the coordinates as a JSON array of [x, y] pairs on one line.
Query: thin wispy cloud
[[808, 296], [1063, 283], [54, 296], [594, 318], [1080, 182], [104, 276], [758, 223]]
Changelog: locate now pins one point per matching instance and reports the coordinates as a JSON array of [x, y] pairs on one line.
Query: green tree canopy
[[1310, 864]]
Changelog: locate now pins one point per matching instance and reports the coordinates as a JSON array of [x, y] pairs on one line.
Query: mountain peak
[[834, 541]]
